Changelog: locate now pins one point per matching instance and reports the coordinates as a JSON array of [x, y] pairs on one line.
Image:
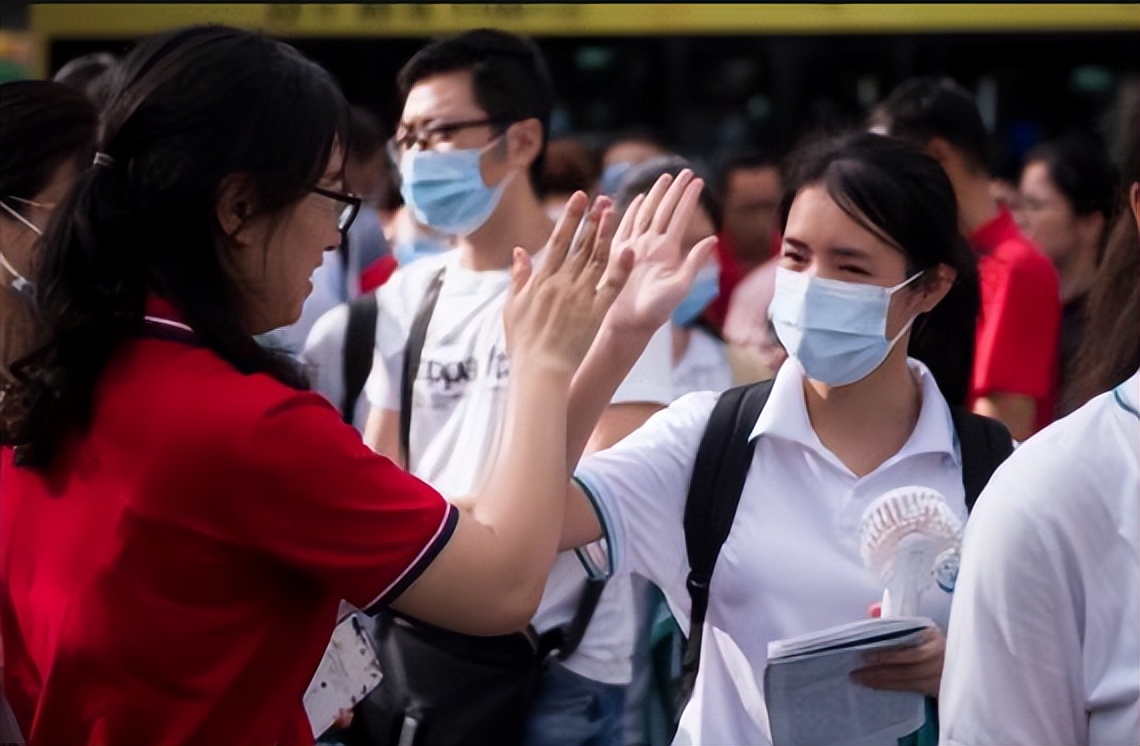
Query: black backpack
[[721, 466]]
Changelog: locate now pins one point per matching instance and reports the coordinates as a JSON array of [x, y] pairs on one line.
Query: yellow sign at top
[[124, 20]]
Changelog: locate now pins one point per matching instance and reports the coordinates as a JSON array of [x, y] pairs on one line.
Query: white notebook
[[812, 700], [347, 673]]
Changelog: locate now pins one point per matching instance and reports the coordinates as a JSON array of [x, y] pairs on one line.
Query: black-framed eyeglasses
[[349, 210], [428, 138]]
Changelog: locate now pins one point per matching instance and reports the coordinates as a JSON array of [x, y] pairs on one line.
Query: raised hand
[[652, 229], [553, 314]]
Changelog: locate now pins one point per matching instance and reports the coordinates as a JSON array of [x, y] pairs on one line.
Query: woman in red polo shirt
[[178, 518]]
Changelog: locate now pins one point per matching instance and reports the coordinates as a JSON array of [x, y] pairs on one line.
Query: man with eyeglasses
[[469, 147]]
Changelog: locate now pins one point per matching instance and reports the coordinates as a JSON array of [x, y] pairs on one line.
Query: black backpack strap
[[565, 639], [359, 342], [412, 352], [721, 466], [985, 444]]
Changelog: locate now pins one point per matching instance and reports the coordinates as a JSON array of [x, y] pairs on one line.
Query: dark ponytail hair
[[903, 196], [185, 109]]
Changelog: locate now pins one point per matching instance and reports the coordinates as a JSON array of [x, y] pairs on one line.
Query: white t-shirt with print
[[458, 405], [703, 367], [791, 563], [1045, 643]]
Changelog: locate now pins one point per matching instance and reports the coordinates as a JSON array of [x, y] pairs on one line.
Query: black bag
[[719, 472], [443, 688]]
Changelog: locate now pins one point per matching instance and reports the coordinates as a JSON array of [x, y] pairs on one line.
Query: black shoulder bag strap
[[359, 343], [722, 463], [985, 444], [412, 352], [565, 639]]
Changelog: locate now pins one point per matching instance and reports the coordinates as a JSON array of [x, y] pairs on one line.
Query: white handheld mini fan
[[907, 535]]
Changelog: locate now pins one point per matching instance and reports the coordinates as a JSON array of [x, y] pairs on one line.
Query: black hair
[[43, 125], [1081, 170], [510, 78], [748, 160], [187, 108], [923, 108], [903, 196], [89, 74], [641, 177], [1109, 352]]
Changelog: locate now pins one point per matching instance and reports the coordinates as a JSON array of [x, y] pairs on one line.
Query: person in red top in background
[[752, 185], [1016, 357], [179, 518]]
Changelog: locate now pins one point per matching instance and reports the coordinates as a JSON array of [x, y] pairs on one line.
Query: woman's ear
[[935, 285], [234, 204]]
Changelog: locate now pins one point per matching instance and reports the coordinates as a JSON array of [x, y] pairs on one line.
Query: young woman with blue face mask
[[873, 268]]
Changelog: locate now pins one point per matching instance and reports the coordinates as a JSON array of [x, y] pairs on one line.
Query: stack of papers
[[812, 700]]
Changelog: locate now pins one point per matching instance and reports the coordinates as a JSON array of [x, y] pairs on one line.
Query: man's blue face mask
[[445, 190]]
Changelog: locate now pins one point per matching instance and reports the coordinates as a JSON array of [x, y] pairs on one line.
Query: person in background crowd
[[753, 185], [699, 361], [1044, 642], [1067, 197], [871, 232], [470, 146], [91, 75], [337, 279], [626, 150], [179, 520], [1015, 376], [570, 166], [47, 135], [1113, 307]]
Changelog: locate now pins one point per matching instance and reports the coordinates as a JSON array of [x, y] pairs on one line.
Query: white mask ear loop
[[20, 284], [23, 220], [910, 322]]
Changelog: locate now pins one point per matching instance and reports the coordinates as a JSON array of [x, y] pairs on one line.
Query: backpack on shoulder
[[723, 459]]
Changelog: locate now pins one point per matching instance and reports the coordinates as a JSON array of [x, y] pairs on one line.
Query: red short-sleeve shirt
[[1016, 350], [174, 578]]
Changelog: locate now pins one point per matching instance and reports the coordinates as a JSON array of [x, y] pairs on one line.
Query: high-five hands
[[652, 229], [553, 314]]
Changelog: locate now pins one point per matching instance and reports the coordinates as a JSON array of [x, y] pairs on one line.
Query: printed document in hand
[[347, 673], [812, 699]]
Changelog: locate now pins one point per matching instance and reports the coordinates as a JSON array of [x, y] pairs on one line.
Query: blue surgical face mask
[[611, 177], [445, 190], [419, 247], [705, 289], [837, 330]]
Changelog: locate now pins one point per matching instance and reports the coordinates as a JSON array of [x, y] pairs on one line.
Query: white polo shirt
[[458, 405], [791, 563], [1044, 645]]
